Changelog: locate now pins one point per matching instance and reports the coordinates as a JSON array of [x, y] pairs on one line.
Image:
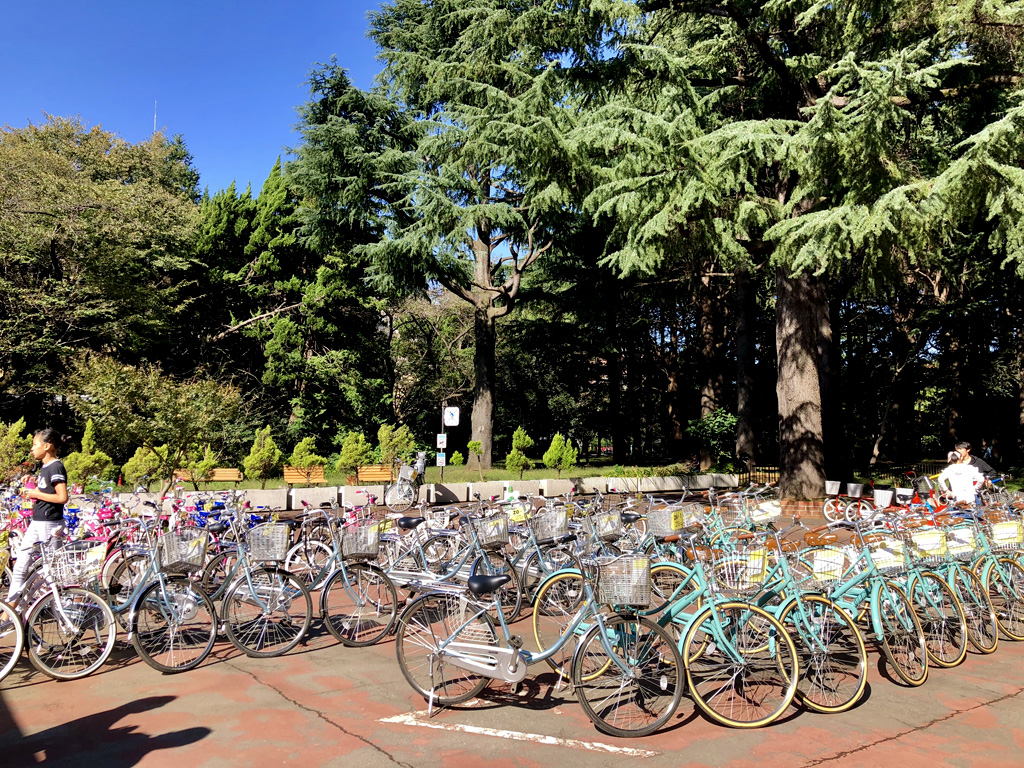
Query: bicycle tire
[[982, 627], [510, 595], [124, 579], [554, 606], [359, 605], [174, 625], [271, 617], [538, 565], [633, 702], [12, 638], [307, 560], [942, 620], [1004, 583], [903, 641], [215, 573], [752, 682], [832, 511], [857, 510], [426, 622], [833, 662], [399, 496], [70, 653]]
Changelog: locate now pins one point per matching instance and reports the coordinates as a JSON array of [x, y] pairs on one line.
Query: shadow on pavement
[[92, 740]]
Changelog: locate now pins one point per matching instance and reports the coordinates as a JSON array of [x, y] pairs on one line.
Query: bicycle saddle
[[630, 517], [481, 585], [218, 527], [564, 538], [408, 523]]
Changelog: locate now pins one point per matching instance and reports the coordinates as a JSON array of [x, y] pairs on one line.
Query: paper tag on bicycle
[[1006, 533], [928, 541], [962, 540], [275, 517], [518, 514], [767, 511], [756, 565], [889, 554], [828, 564], [383, 526], [678, 520], [95, 557]]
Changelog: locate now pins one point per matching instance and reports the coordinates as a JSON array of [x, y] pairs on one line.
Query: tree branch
[[255, 319]]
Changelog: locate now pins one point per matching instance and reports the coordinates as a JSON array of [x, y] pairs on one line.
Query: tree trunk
[[746, 446], [710, 362], [483, 386], [800, 317]]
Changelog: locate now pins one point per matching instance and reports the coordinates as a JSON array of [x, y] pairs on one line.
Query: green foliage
[[716, 432], [560, 455], [264, 457], [89, 462], [475, 448], [304, 456], [143, 406], [516, 460], [14, 447], [145, 465], [456, 459], [200, 464], [355, 452], [394, 443]]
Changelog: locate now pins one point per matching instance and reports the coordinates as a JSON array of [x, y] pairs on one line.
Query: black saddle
[[563, 539], [482, 585], [408, 523], [630, 517]]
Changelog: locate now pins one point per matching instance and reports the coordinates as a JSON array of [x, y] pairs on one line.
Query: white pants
[[38, 531]]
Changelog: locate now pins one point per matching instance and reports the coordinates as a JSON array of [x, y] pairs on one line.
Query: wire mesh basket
[[360, 542], [741, 572], [929, 545], [407, 473], [1007, 534], [624, 580], [607, 525], [823, 568], [665, 522], [962, 542], [268, 541], [766, 512], [492, 531], [78, 563], [182, 551], [886, 552], [550, 524]]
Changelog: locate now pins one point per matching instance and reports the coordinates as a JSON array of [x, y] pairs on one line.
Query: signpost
[[440, 460], [449, 418]]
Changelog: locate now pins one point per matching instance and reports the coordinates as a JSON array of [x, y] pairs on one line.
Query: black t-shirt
[[982, 466], [50, 476]]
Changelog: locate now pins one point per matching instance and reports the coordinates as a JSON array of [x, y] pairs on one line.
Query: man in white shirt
[[961, 479]]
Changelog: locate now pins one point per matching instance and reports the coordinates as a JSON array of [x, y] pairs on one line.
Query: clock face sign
[[451, 416]]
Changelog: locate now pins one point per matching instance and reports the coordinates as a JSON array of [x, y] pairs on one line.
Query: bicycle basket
[[828, 564], [607, 525], [665, 522], [407, 473], [78, 563], [928, 544], [624, 580], [182, 551], [268, 541], [766, 511], [1005, 535], [492, 531], [741, 572], [883, 498], [360, 542], [550, 524], [962, 542], [887, 553]]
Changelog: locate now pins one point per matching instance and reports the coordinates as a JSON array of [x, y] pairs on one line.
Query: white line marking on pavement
[[590, 746]]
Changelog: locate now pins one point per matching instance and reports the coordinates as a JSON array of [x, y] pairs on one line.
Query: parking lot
[[327, 705]]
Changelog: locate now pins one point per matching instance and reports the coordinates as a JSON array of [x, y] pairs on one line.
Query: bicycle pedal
[[516, 642]]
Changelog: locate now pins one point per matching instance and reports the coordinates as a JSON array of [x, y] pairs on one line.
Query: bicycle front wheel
[[308, 560], [982, 627], [741, 665], [174, 626], [554, 608], [358, 605], [903, 640], [640, 682], [833, 659], [271, 616], [12, 639], [399, 496], [510, 595], [72, 637], [424, 625], [942, 620], [1005, 585]]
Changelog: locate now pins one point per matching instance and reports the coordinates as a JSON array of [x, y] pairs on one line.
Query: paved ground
[[326, 705]]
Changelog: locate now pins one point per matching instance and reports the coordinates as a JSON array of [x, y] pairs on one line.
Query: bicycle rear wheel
[[359, 605], [269, 618], [399, 496], [174, 625], [12, 639], [746, 673], [71, 638], [425, 624], [307, 560], [1005, 585], [833, 659], [640, 698], [982, 627], [942, 619], [555, 605]]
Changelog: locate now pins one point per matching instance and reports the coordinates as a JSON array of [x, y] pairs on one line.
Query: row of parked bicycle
[[631, 604]]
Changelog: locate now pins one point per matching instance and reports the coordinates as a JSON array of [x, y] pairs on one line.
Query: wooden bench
[[219, 475], [314, 476], [374, 474]]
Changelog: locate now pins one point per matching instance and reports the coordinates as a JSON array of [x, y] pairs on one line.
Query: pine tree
[[516, 460], [264, 457]]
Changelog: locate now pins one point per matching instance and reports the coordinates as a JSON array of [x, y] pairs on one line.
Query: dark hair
[[54, 438], [963, 445]]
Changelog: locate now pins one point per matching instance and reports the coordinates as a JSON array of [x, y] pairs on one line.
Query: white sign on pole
[[442, 442], [451, 416], [440, 460]]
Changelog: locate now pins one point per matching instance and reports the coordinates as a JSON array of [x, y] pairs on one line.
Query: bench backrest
[[293, 476], [374, 473]]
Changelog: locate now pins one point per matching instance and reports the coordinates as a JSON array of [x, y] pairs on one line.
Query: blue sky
[[226, 75]]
